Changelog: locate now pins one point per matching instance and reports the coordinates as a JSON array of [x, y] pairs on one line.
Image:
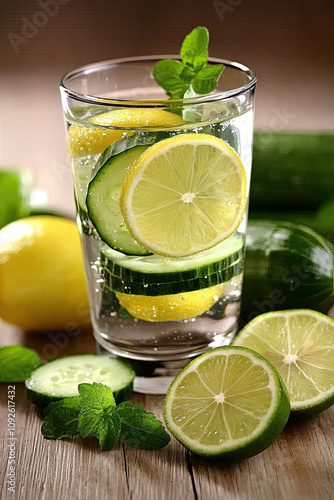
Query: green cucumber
[[173, 287], [60, 378], [287, 266], [103, 202], [158, 269], [292, 170]]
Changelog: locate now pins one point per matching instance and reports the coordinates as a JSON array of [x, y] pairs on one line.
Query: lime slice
[[300, 344], [184, 194], [170, 307], [227, 403], [95, 139]]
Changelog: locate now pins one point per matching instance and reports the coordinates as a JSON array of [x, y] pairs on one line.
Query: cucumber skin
[[291, 170], [283, 273]]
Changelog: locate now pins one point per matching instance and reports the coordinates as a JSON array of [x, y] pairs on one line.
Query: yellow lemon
[[42, 280], [170, 307], [93, 140]]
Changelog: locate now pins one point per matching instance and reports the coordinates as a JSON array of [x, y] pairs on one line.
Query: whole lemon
[[42, 279]]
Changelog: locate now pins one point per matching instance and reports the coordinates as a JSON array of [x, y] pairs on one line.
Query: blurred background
[[288, 43]]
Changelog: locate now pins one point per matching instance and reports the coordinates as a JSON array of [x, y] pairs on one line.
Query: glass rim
[[206, 98]]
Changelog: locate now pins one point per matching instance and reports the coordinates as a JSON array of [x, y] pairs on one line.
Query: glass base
[[155, 377]]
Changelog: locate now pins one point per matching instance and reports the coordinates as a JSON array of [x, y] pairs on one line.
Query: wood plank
[[298, 466]]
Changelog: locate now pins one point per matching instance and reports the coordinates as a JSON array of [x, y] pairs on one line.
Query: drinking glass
[[155, 311]]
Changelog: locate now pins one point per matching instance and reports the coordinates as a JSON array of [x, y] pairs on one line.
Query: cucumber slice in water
[[158, 269], [173, 287], [60, 378], [103, 202]]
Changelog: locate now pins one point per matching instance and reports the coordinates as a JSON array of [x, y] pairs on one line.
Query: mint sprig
[[17, 363], [190, 75], [94, 413]]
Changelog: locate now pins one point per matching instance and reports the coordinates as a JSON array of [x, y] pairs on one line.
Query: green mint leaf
[[140, 429], [194, 50], [97, 417], [167, 73], [179, 78], [96, 396], [109, 431], [207, 78], [104, 424], [17, 363], [61, 418]]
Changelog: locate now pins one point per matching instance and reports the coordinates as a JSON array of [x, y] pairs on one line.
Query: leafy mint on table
[[17, 363], [177, 78], [140, 429], [94, 413], [66, 410]]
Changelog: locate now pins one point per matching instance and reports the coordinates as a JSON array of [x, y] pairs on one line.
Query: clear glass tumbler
[[153, 309]]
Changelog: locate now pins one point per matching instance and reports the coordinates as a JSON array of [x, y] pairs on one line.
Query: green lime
[[184, 194], [300, 344], [229, 402], [15, 186]]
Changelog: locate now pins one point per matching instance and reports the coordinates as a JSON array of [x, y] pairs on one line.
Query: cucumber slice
[[103, 202], [158, 269], [59, 379], [168, 288]]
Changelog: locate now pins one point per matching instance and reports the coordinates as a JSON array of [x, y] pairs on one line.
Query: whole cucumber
[[287, 266], [292, 170]]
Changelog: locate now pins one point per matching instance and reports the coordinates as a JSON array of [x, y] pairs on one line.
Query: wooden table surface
[[298, 465]]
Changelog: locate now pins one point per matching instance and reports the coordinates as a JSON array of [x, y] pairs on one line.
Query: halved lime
[[184, 194], [300, 344], [229, 402]]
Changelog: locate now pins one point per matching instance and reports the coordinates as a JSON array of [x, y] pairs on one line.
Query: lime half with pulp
[[227, 403], [300, 344], [184, 194]]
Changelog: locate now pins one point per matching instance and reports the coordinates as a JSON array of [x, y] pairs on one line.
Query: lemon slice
[[227, 403], [300, 344], [93, 140], [170, 307], [184, 194]]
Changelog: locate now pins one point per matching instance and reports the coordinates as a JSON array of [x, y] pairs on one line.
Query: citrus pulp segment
[[227, 403], [300, 344], [90, 140], [184, 194]]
